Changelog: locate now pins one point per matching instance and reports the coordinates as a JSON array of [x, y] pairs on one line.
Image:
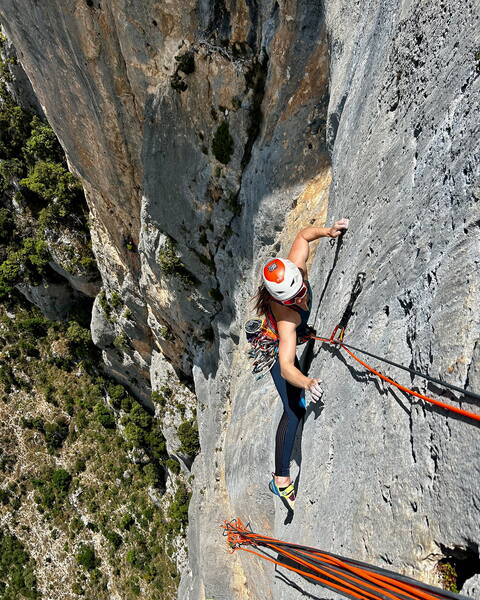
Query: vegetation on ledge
[[17, 578], [43, 213], [222, 144], [170, 264]]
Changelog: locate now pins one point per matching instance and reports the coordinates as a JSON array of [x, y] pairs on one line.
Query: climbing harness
[[352, 578], [263, 338]]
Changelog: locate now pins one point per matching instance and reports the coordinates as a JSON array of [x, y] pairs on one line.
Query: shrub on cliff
[[10, 169], [222, 144], [163, 396], [52, 489], [188, 436], [143, 431], [78, 336], [55, 433], [34, 325], [17, 578], [178, 510], [119, 397], [42, 145], [114, 538], [7, 226], [104, 416], [86, 557], [57, 187], [170, 263], [26, 264], [14, 125], [7, 376], [31, 155]]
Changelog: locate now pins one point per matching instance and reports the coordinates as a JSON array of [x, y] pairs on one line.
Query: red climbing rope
[[338, 341], [347, 576]]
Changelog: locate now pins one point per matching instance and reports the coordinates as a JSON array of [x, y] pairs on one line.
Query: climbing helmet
[[282, 278]]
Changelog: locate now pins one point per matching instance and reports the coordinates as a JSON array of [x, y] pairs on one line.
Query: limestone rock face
[[20, 86], [472, 586], [204, 135], [55, 300]]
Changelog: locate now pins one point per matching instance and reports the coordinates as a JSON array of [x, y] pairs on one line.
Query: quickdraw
[[263, 345]]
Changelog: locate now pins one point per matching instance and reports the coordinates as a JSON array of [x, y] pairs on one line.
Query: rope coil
[[346, 576]]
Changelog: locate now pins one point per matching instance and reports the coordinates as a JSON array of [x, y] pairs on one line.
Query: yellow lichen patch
[[88, 34], [143, 348], [239, 581], [167, 23], [309, 208]]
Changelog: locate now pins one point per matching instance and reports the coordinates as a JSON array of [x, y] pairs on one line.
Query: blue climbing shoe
[[286, 495]]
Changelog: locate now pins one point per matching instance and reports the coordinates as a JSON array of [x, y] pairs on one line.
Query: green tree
[[16, 570], [51, 181], [14, 126], [86, 557], [26, 264], [7, 226], [42, 144], [188, 435], [104, 416], [178, 510]]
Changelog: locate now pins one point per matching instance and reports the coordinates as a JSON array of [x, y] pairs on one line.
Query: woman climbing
[[284, 299]]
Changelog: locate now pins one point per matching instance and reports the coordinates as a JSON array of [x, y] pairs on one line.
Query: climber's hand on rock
[[315, 390], [338, 228]]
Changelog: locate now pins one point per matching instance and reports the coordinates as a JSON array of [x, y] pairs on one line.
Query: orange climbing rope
[[338, 341], [349, 577]]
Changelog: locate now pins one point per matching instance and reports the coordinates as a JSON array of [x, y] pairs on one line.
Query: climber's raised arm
[[300, 248]]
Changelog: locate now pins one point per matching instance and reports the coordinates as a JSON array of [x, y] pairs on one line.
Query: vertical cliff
[[205, 134]]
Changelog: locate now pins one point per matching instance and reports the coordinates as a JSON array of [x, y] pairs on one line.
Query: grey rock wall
[[20, 86], [383, 478], [383, 93]]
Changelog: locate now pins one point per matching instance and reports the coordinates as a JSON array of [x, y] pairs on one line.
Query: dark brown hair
[[262, 300]]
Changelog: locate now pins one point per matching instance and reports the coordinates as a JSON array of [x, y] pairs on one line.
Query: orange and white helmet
[[282, 278]]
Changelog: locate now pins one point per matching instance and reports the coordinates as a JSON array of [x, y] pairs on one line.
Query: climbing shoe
[[286, 494]]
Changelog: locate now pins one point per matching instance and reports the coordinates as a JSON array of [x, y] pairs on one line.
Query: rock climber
[[284, 298]]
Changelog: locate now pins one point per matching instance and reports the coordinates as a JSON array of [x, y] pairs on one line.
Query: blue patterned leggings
[[293, 399]]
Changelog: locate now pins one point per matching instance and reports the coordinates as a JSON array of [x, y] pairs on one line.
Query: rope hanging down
[[338, 341], [346, 576]]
